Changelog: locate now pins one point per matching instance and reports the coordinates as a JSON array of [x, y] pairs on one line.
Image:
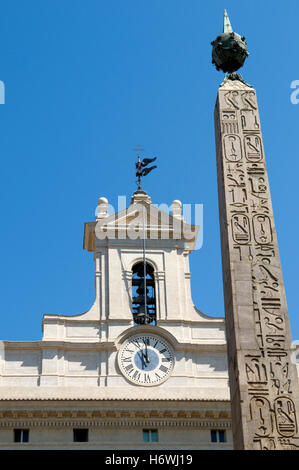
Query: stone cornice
[[114, 423], [208, 401], [192, 344], [61, 417]]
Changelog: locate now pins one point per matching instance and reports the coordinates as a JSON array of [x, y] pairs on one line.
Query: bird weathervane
[[141, 169]]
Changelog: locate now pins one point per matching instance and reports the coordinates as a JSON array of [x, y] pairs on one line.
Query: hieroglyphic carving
[[256, 373], [285, 416], [279, 375], [249, 120], [255, 169], [248, 231], [231, 99], [237, 190], [262, 229], [260, 412], [240, 229], [249, 99], [253, 148], [229, 122], [265, 443], [232, 147]]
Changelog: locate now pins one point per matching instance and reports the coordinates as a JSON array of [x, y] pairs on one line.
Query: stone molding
[[115, 423], [121, 417]]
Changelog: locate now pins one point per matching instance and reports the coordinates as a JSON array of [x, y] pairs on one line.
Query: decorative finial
[[141, 170], [229, 51], [227, 27]]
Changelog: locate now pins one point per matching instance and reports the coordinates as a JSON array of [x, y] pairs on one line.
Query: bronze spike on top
[[229, 51]]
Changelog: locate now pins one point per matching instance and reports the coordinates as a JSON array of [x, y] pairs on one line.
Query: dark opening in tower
[[143, 294]]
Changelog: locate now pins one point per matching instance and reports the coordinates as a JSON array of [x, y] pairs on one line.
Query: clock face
[[146, 359]]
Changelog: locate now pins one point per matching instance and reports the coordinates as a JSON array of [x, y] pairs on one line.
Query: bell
[[140, 289], [142, 318]]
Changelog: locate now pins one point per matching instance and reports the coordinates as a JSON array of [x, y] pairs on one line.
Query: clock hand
[[145, 355], [142, 360], [141, 350], [146, 352]]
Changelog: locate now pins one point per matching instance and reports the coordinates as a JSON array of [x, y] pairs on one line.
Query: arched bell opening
[[143, 294]]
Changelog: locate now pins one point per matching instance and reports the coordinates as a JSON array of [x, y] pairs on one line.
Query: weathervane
[[141, 169], [143, 317]]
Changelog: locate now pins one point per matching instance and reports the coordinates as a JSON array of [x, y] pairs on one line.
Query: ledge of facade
[[113, 393], [55, 343], [210, 344]]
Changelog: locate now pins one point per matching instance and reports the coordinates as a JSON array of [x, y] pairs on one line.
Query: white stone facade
[[71, 378]]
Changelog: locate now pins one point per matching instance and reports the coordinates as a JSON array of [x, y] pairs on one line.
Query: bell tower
[[143, 319], [142, 249]]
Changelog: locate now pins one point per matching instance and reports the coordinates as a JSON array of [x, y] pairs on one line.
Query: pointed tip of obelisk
[[227, 27]]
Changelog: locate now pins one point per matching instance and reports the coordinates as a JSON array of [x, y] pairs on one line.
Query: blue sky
[[85, 82]]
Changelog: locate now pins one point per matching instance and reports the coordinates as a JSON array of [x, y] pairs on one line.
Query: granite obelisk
[[263, 379]]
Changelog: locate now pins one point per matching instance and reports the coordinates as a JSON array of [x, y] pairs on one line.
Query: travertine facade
[[100, 381], [263, 378], [71, 378]]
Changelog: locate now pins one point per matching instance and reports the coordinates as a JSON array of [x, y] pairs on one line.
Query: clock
[[146, 359]]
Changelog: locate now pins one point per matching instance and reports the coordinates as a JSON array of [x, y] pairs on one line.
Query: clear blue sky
[[86, 81]]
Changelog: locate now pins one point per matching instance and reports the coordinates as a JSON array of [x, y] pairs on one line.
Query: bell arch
[[143, 294]]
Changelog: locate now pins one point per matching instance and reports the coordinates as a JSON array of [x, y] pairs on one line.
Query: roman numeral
[[166, 359], [129, 367], [163, 351], [126, 359], [147, 378], [136, 375], [163, 368]]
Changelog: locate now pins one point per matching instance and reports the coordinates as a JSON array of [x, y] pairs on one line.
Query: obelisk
[[263, 380]]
